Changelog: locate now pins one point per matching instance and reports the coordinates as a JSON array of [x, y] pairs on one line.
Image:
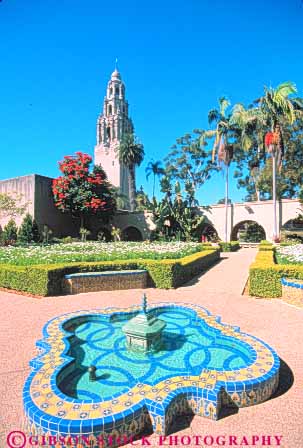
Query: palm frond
[[213, 115], [285, 89], [224, 103]]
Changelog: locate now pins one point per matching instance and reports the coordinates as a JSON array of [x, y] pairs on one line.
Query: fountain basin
[[201, 366]]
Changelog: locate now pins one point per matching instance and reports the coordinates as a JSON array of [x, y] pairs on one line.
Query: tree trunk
[[274, 194], [132, 188], [81, 221], [226, 204], [154, 185]]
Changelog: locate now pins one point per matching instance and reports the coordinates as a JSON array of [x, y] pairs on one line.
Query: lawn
[[95, 251]]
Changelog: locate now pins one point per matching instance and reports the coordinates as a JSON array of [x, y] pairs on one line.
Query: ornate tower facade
[[112, 124]]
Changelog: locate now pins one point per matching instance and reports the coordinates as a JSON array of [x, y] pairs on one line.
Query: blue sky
[[176, 59]]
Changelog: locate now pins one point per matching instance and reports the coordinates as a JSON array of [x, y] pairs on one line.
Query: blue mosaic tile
[[160, 397]]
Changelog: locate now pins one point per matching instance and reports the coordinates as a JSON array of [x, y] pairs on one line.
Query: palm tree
[[131, 153], [156, 169], [222, 149], [272, 113], [278, 110]]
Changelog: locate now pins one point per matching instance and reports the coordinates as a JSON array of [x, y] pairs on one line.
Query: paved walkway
[[220, 291]]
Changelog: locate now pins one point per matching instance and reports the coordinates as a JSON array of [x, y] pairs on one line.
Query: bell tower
[[112, 124]]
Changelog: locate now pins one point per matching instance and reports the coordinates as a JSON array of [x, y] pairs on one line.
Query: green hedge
[[266, 247], [46, 280], [265, 275], [231, 246], [265, 243]]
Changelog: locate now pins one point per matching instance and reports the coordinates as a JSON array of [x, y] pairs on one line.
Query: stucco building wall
[[260, 212], [23, 186], [36, 191]]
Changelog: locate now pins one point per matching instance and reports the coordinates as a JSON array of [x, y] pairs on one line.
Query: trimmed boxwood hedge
[[231, 246], [46, 280], [265, 275]]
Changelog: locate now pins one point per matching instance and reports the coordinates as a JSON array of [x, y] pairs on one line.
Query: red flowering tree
[[81, 192]]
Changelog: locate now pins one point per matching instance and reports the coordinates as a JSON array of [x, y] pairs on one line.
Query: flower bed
[[95, 251], [292, 254], [46, 280]]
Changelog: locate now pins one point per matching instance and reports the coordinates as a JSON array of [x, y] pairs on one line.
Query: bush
[[265, 247], [28, 231], [231, 246], [46, 280], [68, 240], [36, 232], [265, 276], [206, 246], [9, 235]]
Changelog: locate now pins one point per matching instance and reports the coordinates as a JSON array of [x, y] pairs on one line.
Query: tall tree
[[156, 169], [222, 147], [81, 192], [131, 153], [25, 233], [270, 116], [9, 234], [189, 160]]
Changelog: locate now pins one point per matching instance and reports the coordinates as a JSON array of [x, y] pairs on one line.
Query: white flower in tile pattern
[[84, 415]]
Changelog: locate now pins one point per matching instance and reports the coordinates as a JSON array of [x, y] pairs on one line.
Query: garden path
[[219, 290]]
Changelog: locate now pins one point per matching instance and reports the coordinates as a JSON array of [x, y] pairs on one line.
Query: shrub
[[46, 234], [36, 232], [265, 242], [10, 232], [265, 247], [47, 279], [231, 246], [265, 276], [28, 231], [68, 240]]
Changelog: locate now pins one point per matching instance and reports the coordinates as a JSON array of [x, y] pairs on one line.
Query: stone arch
[[209, 232], [243, 226], [131, 233], [294, 223], [293, 228], [104, 234]]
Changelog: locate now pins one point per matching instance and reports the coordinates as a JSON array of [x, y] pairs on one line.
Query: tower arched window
[[110, 109], [108, 133], [117, 91], [111, 91]]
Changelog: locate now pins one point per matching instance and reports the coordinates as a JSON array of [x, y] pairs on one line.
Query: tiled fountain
[[119, 371]]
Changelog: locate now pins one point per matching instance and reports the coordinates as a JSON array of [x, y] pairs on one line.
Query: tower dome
[[116, 74]]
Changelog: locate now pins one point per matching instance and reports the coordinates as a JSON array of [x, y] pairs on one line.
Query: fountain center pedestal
[[143, 332]]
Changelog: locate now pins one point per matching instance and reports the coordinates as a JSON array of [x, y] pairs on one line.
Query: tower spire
[[116, 64]]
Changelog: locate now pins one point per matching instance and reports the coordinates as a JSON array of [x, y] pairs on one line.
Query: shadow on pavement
[[286, 380], [196, 279]]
